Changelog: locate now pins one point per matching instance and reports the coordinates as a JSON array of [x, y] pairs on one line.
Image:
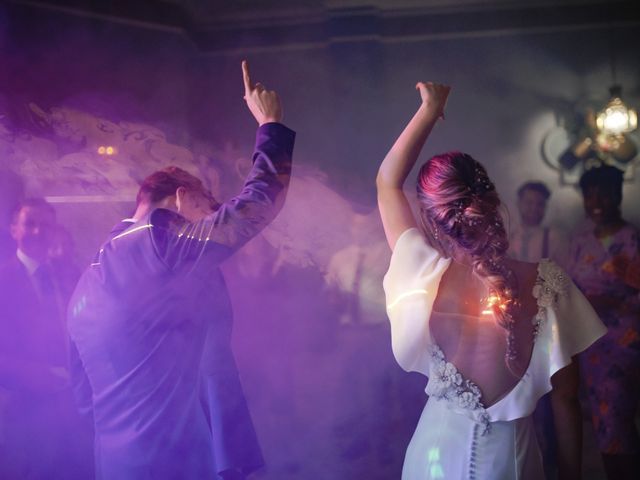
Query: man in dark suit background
[[11, 192], [41, 433], [151, 320]]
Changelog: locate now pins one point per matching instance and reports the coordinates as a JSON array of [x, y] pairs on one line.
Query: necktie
[[524, 251]]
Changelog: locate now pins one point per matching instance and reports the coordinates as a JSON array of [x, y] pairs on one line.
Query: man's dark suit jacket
[[32, 330], [151, 321], [41, 433]]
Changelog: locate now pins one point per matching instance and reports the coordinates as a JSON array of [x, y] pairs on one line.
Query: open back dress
[[458, 436]]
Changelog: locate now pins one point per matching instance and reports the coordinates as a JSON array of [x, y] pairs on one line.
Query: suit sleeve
[[219, 235], [82, 392]]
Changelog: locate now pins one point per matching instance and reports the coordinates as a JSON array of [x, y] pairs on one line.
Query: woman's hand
[[394, 207], [434, 96]]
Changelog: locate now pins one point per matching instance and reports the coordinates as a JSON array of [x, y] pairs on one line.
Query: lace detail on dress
[[447, 383], [552, 282]]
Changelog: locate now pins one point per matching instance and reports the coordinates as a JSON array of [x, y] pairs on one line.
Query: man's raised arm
[[238, 220]]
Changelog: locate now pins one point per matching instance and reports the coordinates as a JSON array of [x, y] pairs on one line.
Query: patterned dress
[[611, 367]]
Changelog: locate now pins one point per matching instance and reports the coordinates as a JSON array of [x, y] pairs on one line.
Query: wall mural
[[69, 153], [73, 156]]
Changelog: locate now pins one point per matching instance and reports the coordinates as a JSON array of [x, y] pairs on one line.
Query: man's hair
[[164, 183], [31, 202], [538, 187]]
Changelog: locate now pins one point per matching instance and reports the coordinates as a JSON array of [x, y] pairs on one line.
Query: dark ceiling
[[218, 26]]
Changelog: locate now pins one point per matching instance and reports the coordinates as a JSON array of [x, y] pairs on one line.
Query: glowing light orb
[[616, 118], [107, 150]]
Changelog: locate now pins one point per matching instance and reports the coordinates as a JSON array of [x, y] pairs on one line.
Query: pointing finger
[[246, 78]]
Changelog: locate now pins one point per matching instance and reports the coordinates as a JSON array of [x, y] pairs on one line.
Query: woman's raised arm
[[394, 208]]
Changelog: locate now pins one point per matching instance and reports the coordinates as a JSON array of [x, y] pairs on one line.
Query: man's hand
[[264, 104], [434, 96]]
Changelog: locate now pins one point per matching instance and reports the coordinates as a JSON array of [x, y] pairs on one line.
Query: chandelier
[[616, 118]]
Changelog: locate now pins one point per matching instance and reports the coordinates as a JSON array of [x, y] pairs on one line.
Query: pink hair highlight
[[459, 210]]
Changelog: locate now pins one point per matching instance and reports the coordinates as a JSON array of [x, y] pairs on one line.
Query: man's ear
[[181, 192]]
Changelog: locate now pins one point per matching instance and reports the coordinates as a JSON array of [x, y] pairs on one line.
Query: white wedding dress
[[457, 437]]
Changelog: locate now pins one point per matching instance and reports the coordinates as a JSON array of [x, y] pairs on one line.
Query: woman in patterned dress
[[492, 334], [604, 263]]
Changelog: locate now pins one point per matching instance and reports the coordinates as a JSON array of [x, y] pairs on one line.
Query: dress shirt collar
[[29, 263]]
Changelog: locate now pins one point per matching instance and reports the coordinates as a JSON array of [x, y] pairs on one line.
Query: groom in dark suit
[[150, 320]]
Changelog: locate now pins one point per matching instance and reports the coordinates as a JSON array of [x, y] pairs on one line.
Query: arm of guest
[[568, 421], [17, 373], [395, 210], [80, 382]]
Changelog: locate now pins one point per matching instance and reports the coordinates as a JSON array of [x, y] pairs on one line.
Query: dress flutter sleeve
[[566, 325], [573, 325], [410, 286]]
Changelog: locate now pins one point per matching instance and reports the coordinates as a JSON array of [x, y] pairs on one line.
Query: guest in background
[[11, 192], [604, 262], [42, 435], [62, 256], [530, 240], [369, 379]]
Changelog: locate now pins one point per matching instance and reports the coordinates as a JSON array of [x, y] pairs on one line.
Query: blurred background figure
[[372, 393], [62, 255], [353, 274], [531, 240], [604, 264], [295, 331], [40, 431], [11, 192]]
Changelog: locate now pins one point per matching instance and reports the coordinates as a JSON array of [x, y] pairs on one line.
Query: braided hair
[[459, 206]]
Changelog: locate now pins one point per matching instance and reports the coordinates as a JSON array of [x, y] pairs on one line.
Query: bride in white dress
[[492, 334]]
